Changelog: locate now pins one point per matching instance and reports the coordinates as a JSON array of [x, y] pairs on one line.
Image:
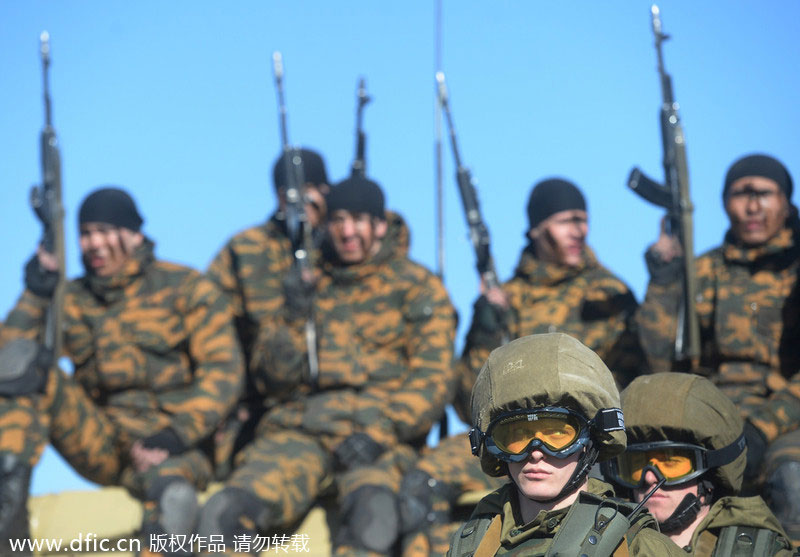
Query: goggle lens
[[673, 463], [514, 436]]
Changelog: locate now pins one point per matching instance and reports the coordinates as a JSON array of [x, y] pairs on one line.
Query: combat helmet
[[548, 370], [687, 408]]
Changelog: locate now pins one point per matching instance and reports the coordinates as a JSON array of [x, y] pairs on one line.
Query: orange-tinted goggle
[[677, 463]]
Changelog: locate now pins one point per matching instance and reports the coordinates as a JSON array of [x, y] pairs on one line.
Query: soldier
[[253, 269], [558, 286], [385, 331], [157, 365], [747, 305], [683, 430], [544, 409]]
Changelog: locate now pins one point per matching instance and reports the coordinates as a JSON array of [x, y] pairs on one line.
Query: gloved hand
[[756, 449], [38, 280], [24, 367], [165, 439], [357, 450], [489, 322], [298, 294]]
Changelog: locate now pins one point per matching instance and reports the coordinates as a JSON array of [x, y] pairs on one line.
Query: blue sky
[[175, 101]]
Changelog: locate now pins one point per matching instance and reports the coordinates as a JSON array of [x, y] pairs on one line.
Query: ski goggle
[[511, 437], [677, 463]]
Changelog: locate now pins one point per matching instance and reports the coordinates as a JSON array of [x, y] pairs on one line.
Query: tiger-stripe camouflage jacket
[[748, 305], [385, 332], [154, 346]]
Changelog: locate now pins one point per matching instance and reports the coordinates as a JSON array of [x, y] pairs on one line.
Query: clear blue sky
[[175, 101]]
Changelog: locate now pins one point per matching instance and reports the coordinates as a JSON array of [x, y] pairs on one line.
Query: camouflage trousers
[[90, 441], [453, 463], [290, 470], [23, 428]]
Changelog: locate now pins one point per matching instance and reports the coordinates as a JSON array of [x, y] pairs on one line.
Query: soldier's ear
[[380, 226], [534, 233]]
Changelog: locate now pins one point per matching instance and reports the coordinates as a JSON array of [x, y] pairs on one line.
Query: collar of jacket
[[112, 289], [738, 511], [534, 270], [784, 244], [504, 502]]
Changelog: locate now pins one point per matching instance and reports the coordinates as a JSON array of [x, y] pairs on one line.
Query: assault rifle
[[46, 202], [478, 233], [360, 162], [297, 225], [674, 197]]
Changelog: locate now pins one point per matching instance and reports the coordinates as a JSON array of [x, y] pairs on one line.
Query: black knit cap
[[759, 165], [357, 195], [552, 196], [313, 169], [110, 205]]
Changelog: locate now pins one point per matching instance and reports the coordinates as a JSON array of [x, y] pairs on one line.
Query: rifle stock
[[674, 196], [46, 201]]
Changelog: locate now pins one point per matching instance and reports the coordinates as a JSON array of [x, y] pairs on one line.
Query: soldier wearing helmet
[[683, 431], [544, 409]]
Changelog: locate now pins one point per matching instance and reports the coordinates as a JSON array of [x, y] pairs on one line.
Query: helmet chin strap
[[585, 463], [686, 511]]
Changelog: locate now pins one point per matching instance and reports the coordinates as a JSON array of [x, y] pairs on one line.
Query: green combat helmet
[[679, 409], [549, 370]]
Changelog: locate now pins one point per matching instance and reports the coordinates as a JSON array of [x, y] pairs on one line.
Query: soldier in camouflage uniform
[[558, 286], [251, 269], [544, 409], [385, 331], [157, 365], [683, 430], [748, 305]]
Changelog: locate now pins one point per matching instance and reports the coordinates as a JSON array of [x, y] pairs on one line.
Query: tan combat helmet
[[686, 408], [553, 370]]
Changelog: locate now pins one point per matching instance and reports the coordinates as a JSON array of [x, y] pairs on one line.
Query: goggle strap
[[725, 455], [609, 419]]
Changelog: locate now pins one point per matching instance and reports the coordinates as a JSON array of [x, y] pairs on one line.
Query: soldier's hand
[[298, 294], [664, 258], [357, 450], [491, 314], [667, 247], [165, 439], [756, 450], [24, 367], [41, 273]]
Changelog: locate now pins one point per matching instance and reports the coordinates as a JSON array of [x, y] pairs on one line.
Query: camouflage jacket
[[154, 346], [249, 269], [748, 305], [385, 340], [537, 536], [586, 302], [738, 511]]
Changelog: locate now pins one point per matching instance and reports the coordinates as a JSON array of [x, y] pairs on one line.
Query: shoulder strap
[[467, 539], [595, 527], [747, 541], [491, 540]]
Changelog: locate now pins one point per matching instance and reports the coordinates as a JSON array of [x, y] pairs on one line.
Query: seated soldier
[[544, 409], [683, 430], [384, 340], [157, 366]]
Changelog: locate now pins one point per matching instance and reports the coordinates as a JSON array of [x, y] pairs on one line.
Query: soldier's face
[[757, 209], [355, 236], [561, 237], [664, 501], [106, 248], [542, 477]]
